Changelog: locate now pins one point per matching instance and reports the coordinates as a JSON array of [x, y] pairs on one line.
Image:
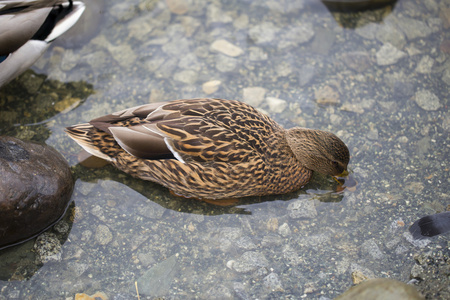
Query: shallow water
[[380, 80]]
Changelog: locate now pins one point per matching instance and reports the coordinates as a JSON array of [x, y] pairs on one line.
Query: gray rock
[[389, 55], [157, 280], [35, 189], [425, 65], [240, 291], [257, 54], [263, 33], [389, 33], [254, 96], [296, 35], [302, 208], [186, 76], [284, 230], [427, 100], [357, 60], [276, 105], [306, 74], [446, 76], [103, 235], [412, 28], [250, 261], [225, 64], [246, 243], [371, 248], [272, 283]]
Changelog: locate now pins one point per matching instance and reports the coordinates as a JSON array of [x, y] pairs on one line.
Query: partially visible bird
[[211, 148], [27, 29]]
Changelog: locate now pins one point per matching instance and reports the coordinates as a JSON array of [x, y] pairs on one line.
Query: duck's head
[[318, 150]]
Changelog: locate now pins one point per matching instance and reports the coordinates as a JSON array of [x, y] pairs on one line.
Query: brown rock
[[35, 189]]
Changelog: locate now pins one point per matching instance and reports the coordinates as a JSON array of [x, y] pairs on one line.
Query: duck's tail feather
[[83, 135]]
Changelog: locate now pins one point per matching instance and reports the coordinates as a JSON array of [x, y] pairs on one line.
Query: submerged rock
[[35, 189], [382, 288]]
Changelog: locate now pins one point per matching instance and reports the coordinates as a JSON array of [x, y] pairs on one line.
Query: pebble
[[303, 208], [296, 35], [327, 95], [446, 76], [412, 28], [186, 76], [263, 33], [225, 64], [178, 7], [427, 100], [211, 87], [227, 48], [276, 105], [250, 261], [357, 60], [389, 55], [372, 249], [425, 65], [254, 96], [273, 283], [157, 280], [257, 54], [103, 235], [284, 230]]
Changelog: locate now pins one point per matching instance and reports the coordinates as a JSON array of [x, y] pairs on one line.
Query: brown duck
[[211, 148]]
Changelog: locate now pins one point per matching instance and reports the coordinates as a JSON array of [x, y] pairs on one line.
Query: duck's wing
[[201, 130]]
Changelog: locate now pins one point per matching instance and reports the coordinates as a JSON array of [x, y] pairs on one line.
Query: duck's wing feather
[[201, 130]]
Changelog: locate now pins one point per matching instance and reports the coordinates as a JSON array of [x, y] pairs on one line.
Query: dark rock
[[35, 189]]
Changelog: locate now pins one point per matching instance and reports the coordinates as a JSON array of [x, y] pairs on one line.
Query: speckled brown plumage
[[211, 148]]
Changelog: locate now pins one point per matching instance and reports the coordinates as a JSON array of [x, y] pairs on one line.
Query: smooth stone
[[35, 189], [263, 33], [427, 100], [211, 87], [250, 261], [178, 7], [389, 55], [254, 96], [302, 208], [273, 283], [276, 105], [381, 289], [157, 280], [227, 48]]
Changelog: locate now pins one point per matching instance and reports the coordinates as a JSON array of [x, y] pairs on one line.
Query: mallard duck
[[211, 148], [27, 29]]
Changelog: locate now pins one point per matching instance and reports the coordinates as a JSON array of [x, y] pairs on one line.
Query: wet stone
[[263, 33], [273, 283], [371, 248], [254, 96], [389, 55], [250, 261], [303, 208], [225, 64], [157, 280], [103, 235], [227, 48], [427, 100], [425, 65], [35, 189]]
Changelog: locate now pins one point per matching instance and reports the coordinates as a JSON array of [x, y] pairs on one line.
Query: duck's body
[[211, 148], [27, 29]]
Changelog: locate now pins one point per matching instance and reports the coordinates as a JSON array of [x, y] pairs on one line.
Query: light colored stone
[[227, 48], [211, 87], [254, 96], [427, 100], [178, 7], [276, 105], [263, 33], [425, 65], [389, 55]]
